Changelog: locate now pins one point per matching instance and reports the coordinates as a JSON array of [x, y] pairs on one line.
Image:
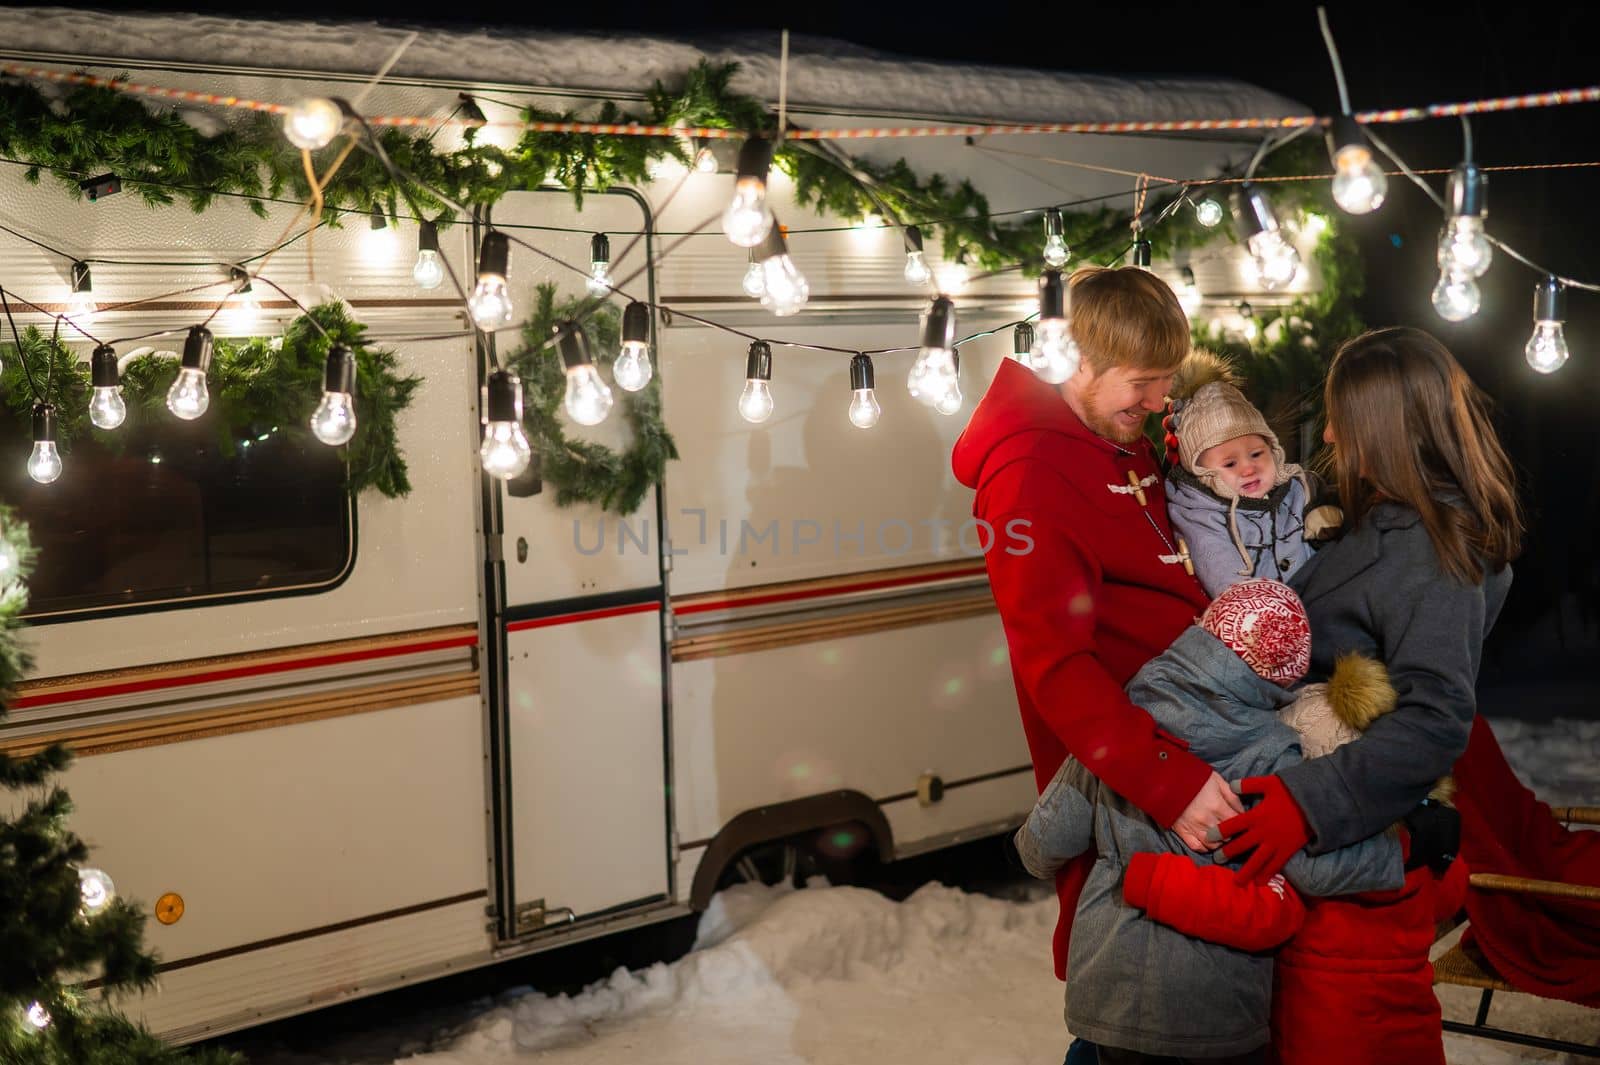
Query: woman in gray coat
[[1431, 525]]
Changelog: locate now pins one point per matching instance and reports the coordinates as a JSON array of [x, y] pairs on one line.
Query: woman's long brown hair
[[1410, 426]]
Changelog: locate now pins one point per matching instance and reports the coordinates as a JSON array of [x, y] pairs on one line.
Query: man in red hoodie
[[1105, 585]]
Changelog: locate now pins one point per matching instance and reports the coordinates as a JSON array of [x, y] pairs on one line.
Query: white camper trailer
[[338, 745]]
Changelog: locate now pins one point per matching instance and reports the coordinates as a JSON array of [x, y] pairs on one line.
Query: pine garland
[[256, 384], [44, 938], [584, 471]]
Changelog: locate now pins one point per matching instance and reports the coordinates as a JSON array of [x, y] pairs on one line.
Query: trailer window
[[167, 519]]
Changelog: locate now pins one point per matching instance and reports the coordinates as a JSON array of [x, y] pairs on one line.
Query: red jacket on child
[[1353, 984]]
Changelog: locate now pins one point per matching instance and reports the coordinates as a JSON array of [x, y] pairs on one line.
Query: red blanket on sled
[[1543, 946]]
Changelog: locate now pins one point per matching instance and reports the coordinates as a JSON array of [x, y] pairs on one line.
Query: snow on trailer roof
[[825, 75]]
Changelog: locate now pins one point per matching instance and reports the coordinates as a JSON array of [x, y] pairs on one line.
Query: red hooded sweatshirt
[[1089, 587]]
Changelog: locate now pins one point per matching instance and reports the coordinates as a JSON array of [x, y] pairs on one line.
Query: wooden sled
[[1465, 967]]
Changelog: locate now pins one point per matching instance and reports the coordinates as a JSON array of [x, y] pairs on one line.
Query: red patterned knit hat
[[1264, 623]]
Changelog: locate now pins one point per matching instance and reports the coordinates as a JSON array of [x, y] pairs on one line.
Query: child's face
[[1244, 463]]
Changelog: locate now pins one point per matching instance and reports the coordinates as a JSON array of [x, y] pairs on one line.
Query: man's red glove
[[1270, 831]]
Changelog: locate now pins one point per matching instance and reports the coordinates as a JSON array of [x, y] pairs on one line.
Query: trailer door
[[574, 602]]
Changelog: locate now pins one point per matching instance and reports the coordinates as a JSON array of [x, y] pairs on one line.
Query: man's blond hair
[[1127, 317]]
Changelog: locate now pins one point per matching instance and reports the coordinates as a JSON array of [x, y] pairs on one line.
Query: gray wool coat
[[1379, 591], [1138, 984], [1271, 531]]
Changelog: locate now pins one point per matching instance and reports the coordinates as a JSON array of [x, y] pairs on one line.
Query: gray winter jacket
[[1137, 984], [1230, 540], [1379, 592]]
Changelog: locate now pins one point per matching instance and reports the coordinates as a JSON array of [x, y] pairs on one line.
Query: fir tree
[[58, 961]]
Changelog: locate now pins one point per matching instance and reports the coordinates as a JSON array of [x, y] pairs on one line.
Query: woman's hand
[[1197, 825], [1271, 831]]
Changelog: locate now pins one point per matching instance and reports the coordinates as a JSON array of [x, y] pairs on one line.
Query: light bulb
[[755, 281], [1547, 348], [1208, 212], [107, 410], [334, 420], [1456, 297], [505, 451], [931, 375], [1189, 297], [950, 401], [1358, 181], [429, 271], [490, 303], [755, 402], [1275, 258], [786, 289], [599, 283], [97, 890], [1464, 248], [954, 276], [1055, 251], [188, 397], [632, 369], [588, 400], [864, 408], [705, 161], [245, 315], [38, 1016], [313, 123], [748, 218], [917, 272], [81, 308], [44, 464], [1055, 353]]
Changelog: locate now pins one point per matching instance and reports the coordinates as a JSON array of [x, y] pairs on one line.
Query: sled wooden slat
[[1519, 885], [1577, 815], [1457, 967]]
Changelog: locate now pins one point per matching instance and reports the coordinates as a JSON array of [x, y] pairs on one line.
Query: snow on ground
[[844, 976]]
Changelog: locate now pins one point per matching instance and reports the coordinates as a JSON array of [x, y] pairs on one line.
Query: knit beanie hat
[[1264, 623]]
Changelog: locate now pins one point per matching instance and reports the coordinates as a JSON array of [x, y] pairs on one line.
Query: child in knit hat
[[1218, 688], [1231, 493]]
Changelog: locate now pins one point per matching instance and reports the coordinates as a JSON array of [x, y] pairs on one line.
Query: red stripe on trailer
[[582, 615], [819, 593], [133, 687]]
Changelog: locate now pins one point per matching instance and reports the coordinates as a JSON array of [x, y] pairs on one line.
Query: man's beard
[[1106, 425]]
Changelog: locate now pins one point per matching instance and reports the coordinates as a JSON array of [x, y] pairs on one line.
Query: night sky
[[1393, 57]]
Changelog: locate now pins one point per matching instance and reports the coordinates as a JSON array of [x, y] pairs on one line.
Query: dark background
[[1394, 55]]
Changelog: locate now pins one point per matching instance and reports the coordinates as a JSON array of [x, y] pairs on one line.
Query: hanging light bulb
[[599, 283], [245, 314], [631, 369], [1251, 328], [96, 889], [1464, 247], [44, 463], [1056, 252], [784, 287], [755, 278], [490, 302], [1358, 181], [505, 451], [38, 1016], [864, 409], [81, 307], [106, 407], [429, 271], [1022, 344], [748, 218], [1208, 212], [1055, 355], [334, 420], [1547, 348], [378, 243], [949, 401], [755, 402], [931, 373], [1456, 296], [1274, 256], [953, 276], [705, 160], [588, 400], [917, 272], [1141, 254], [313, 122], [1189, 297], [188, 397]]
